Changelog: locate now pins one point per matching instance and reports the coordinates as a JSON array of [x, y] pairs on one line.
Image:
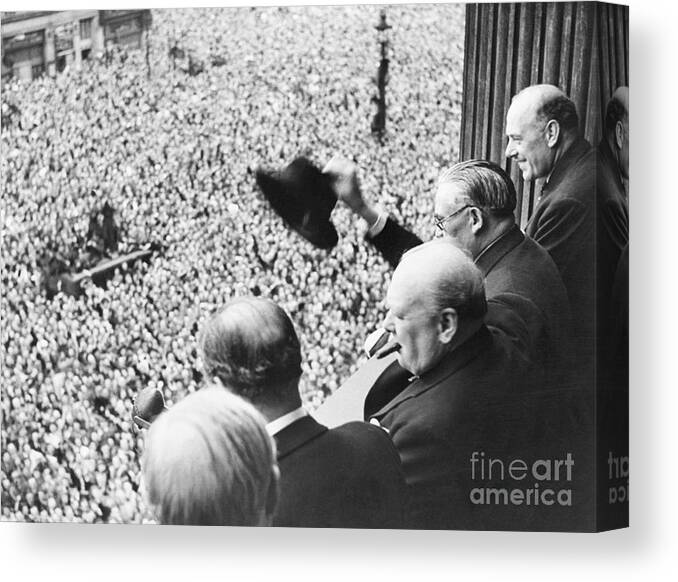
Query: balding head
[[617, 128], [621, 96], [210, 461], [540, 124], [436, 299], [548, 102], [252, 348]]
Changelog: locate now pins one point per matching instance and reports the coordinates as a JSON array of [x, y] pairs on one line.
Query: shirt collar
[[275, 426]]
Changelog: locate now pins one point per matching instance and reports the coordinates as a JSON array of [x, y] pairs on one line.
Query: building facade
[[34, 42]]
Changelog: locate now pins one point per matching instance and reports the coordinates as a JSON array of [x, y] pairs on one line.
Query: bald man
[[579, 217], [542, 127], [463, 381]]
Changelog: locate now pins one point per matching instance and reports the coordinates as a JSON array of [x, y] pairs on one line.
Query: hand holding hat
[[304, 198]]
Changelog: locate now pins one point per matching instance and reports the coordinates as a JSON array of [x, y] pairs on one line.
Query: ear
[[476, 219], [448, 325], [552, 131], [619, 135]]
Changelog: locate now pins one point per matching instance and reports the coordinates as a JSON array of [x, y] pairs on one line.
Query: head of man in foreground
[[209, 461], [436, 301], [251, 348]]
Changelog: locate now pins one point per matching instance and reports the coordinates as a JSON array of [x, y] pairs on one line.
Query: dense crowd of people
[[174, 154]]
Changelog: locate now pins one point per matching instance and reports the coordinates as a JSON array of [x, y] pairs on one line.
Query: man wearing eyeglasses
[[474, 205]]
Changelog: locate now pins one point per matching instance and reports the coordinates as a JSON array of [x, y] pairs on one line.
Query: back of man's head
[[485, 183], [252, 348], [209, 461]]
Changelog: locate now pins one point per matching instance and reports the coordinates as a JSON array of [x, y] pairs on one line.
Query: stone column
[[50, 54], [76, 45]]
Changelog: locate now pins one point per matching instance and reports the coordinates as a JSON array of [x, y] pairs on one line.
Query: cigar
[[387, 350], [378, 345]]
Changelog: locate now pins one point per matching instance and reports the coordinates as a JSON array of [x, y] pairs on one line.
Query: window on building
[[86, 29]]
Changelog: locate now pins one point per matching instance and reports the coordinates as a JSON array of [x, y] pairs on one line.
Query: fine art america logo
[[541, 481], [618, 478]]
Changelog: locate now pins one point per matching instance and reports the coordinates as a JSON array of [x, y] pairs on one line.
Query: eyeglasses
[[440, 222]]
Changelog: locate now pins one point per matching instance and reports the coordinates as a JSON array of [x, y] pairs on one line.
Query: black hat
[[302, 195]]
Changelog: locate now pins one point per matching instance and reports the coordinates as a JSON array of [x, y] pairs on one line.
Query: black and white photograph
[[358, 266], [356, 273]]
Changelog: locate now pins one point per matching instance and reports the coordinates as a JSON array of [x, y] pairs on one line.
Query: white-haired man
[[210, 461]]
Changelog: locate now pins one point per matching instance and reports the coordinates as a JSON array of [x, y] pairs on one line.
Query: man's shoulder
[[577, 177], [359, 435], [357, 447], [527, 269], [351, 436], [528, 254]]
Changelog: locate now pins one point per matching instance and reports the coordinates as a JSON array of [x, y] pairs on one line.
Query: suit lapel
[[297, 435]]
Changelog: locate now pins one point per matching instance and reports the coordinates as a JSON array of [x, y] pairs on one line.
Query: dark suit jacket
[[446, 414], [481, 399], [613, 237], [582, 221], [564, 223], [348, 477], [613, 309], [521, 279]]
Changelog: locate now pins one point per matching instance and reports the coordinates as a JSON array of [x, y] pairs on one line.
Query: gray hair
[[251, 346], [210, 461], [485, 183]]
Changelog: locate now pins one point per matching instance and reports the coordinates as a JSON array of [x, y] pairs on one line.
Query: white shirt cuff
[[378, 224]]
